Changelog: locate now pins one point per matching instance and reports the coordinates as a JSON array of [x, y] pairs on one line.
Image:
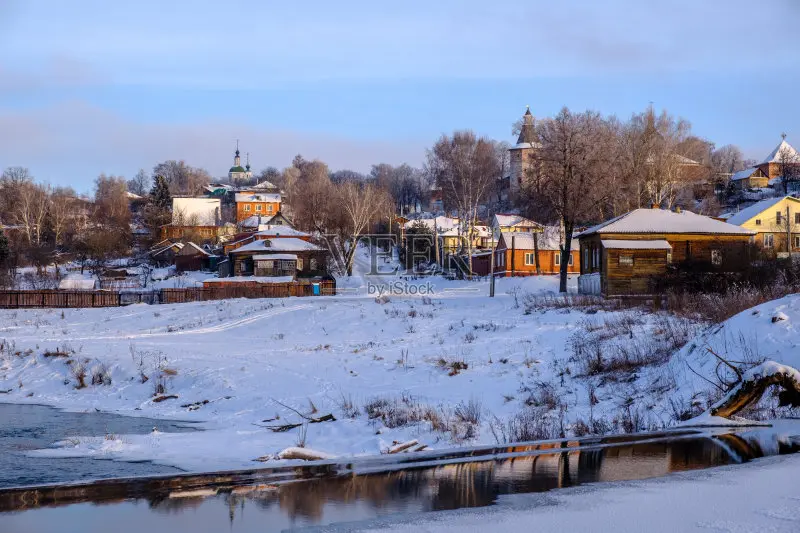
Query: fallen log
[[306, 454], [754, 383], [403, 446], [161, 398]]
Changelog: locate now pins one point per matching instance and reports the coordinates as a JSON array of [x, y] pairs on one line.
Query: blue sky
[[94, 86]]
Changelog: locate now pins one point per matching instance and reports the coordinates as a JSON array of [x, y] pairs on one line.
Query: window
[[778, 219], [571, 261], [258, 207], [558, 258], [586, 259], [797, 241], [758, 222], [269, 208], [797, 218], [247, 207], [529, 259], [769, 240], [716, 257], [626, 260]]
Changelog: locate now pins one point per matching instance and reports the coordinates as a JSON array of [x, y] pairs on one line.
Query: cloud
[[70, 143], [54, 72]]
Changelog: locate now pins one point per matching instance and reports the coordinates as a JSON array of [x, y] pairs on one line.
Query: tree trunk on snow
[[753, 385]]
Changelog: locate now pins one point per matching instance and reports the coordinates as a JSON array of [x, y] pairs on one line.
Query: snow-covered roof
[[549, 239], [503, 221], [284, 244], [258, 197], [77, 282], [265, 185], [743, 174], [754, 210], [783, 152], [522, 145], [251, 279], [268, 257], [616, 244], [280, 230], [665, 221], [442, 223]]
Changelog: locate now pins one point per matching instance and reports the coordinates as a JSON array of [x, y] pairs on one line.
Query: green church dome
[[237, 169]]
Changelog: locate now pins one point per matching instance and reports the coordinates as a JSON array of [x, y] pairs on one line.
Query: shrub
[[101, 374]]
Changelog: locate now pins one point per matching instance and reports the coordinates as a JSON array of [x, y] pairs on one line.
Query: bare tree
[[61, 214], [577, 161], [311, 196], [362, 203], [182, 178], [140, 183], [466, 168], [30, 210], [788, 162]]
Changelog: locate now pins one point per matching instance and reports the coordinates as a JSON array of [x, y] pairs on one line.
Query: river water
[[336, 495], [31, 427]]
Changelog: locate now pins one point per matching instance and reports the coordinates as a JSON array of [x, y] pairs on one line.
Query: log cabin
[[248, 204], [623, 256]]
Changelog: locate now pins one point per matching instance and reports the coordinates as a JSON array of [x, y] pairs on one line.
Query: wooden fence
[[54, 298], [58, 299]]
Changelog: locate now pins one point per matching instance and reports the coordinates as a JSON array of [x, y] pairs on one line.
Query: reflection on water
[[32, 427], [284, 498]]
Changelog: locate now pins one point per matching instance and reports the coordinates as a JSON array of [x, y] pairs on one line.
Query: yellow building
[[774, 219]]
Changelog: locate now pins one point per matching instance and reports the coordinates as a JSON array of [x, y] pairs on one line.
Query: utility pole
[[491, 270]]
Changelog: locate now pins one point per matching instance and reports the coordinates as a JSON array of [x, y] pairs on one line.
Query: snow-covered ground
[[759, 496], [447, 368]]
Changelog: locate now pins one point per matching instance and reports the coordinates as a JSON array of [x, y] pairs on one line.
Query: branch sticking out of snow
[[753, 385], [403, 446]]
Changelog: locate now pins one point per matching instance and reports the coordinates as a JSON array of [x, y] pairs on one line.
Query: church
[[238, 174]]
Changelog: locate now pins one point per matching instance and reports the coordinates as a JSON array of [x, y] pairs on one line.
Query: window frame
[[716, 257], [769, 240], [530, 259]]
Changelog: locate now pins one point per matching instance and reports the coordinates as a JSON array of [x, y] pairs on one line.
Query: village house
[[197, 219], [273, 251], [258, 222], [256, 203], [516, 252], [776, 222], [622, 256], [749, 178], [769, 172], [162, 254], [193, 257], [508, 223]]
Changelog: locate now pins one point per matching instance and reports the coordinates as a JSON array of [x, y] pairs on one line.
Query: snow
[[288, 257], [282, 244], [251, 358], [280, 231], [251, 279], [665, 221], [754, 210], [612, 244], [76, 281], [743, 174], [784, 151], [258, 197], [758, 496], [507, 221]]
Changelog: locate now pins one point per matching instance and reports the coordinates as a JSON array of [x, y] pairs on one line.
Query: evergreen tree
[[159, 194], [5, 260]]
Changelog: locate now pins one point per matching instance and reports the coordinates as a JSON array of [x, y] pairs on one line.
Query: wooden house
[[256, 222], [783, 158], [192, 257], [622, 256], [163, 253], [776, 222], [516, 252], [749, 178]]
